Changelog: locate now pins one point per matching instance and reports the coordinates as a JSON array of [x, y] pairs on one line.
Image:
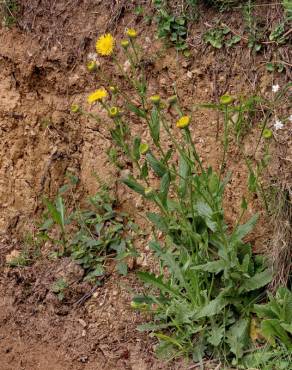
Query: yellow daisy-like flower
[[97, 95], [131, 33], [105, 45], [183, 122]]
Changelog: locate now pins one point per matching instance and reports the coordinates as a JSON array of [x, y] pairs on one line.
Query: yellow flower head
[[97, 95], [148, 191], [155, 99], [105, 45], [183, 122], [131, 33], [125, 44], [113, 112]]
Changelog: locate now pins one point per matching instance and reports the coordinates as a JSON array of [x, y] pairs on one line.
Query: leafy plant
[[277, 317], [252, 27], [59, 288], [91, 236], [201, 300], [218, 37]]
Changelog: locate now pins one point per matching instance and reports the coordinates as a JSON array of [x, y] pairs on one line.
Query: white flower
[[275, 88], [278, 124], [290, 118]]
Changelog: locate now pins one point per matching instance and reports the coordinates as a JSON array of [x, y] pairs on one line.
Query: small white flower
[[92, 56], [275, 88], [290, 118], [278, 124]]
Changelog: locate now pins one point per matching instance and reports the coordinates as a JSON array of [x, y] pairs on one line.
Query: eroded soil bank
[[42, 72]]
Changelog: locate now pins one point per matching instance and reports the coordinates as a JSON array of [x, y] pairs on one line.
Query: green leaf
[[184, 172], [216, 335], [242, 230], [271, 329], [257, 281], [139, 112], [212, 308], [136, 148], [134, 185], [156, 165], [158, 221], [155, 125], [287, 327], [213, 267], [164, 188], [53, 212], [206, 212], [122, 268], [237, 337], [157, 282], [61, 209]]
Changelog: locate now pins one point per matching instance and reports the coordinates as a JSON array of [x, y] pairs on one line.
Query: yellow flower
[[155, 99], [113, 112], [131, 33], [105, 45], [97, 95], [183, 122], [125, 44]]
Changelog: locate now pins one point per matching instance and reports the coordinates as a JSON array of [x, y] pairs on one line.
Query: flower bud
[[131, 33], [75, 108], [172, 100], [91, 66], [155, 99], [226, 99], [143, 149], [267, 133], [125, 44]]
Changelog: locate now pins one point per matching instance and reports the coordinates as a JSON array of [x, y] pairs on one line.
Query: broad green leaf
[[213, 266], [156, 165], [122, 268], [157, 282], [164, 188], [205, 211], [257, 281], [158, 221], [216, 335], [238, 337], [271, 329], [136, 147], [242, 230], [134, 185], [287, 327], [214, 307], [184, 172], [139, 112], [155, 125]]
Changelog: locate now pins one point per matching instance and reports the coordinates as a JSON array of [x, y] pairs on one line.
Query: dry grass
[[281, 243]]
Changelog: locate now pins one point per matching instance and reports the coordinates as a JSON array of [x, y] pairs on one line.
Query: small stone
[[189, 74], [12, 255], [83, 334], [115, 293]]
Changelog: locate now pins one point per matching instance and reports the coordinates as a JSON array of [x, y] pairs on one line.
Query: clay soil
[[42, 72]]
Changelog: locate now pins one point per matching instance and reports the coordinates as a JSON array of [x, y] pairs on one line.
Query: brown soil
[[42, 69]]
